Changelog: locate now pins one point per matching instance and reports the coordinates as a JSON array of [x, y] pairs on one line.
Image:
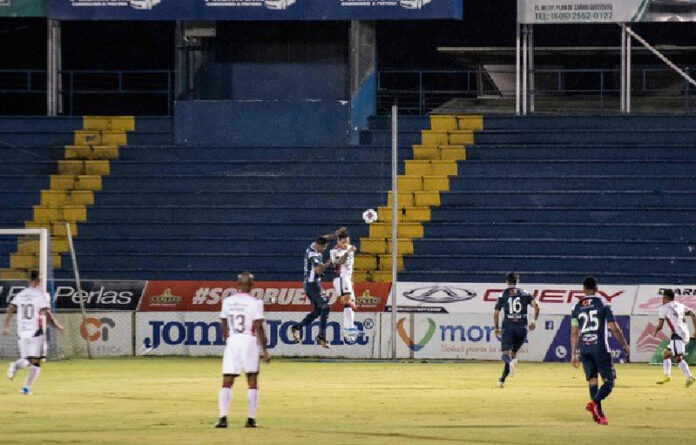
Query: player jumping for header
[[31, 306], [590, 320], [342, 257], [241, 319], [513, 302], [675, 313], [314, 267]]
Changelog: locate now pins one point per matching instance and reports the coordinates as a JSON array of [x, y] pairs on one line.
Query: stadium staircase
[[554, 198]]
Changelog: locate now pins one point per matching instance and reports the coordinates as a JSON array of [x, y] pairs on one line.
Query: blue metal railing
[[76, 86], [421, 91]]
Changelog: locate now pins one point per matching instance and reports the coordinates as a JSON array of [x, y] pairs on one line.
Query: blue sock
[[506, 358]]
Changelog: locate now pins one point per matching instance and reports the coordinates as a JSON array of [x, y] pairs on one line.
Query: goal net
[[21, 251]]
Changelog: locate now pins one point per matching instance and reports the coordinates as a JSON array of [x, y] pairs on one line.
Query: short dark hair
[[668, 293], [322, 241], [590, 283], [33, 275], [512, 278], [246, 274], [343, 235]]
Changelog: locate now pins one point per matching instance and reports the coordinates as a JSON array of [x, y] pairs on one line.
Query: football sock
[[506, 371], [685, 368], [667, 366], [604, 391], [252, 401], [21, 363], [32, 375], [593, 393], [224, 401], [348, 318]]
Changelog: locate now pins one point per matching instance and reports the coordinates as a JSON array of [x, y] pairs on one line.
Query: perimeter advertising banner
[[278, 296], [649, 300], [605, 11], [200, 333], [254, 9], [471, 336], [480, 298], [100, 295], [108, 333], [22, 8]]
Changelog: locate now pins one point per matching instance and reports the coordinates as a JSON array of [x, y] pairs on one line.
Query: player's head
[[667, 295], [245, 281], [34, 278], [589, 285], [343, 240], [512, 279], [321, 243]]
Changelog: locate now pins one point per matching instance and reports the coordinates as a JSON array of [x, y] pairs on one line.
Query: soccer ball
[[369, 216]]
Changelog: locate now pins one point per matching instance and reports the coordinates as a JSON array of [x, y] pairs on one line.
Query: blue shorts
[[314, 293], [598, 363], [514, 336]]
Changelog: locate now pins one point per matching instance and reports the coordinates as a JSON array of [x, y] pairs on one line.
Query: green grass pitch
[[157, 400]]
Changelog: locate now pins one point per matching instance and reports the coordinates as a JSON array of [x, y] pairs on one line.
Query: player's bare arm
[[658, 328], [52, 320], [574, 332], [319, 269], [496, 321], [535, 305], [618, 334], [333, 236], [11, 309], [225, 329], [261, 335]]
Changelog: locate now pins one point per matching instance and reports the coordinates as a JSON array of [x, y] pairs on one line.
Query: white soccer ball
[[369, 216]]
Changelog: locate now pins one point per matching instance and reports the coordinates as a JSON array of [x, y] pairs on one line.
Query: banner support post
[[525, 68], [531, 67], [395, 223]]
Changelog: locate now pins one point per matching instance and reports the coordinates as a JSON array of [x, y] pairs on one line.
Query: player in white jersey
[[31, 306], [241, 319], [675, 314], [342, 257]]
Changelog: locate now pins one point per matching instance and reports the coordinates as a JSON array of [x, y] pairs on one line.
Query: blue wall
[[275, 80], [262, 122]]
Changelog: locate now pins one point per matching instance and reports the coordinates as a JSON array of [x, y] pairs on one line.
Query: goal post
[[32, 252]]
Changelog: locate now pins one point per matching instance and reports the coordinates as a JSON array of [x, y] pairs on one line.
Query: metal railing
[[419, 92], [84, 91]]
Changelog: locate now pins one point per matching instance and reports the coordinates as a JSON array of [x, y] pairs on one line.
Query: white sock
[[32, 375], [224, 401], [667, 366], [684, 368], [252, 402], [348, 318], [21, 363]]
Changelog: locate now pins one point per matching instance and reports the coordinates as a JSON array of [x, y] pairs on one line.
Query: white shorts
[[676, 346], [32, 347], [241, 355], [343, 286]]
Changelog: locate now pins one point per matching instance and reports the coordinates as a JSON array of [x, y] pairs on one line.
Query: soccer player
[[314, 267], [241, 319], [675, 313], [513, 302], [342, 257], [31, 305], [590, 320]]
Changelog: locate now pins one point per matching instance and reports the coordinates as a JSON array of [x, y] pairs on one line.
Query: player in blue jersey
[[591, 321], [513, 302], [314, 267]]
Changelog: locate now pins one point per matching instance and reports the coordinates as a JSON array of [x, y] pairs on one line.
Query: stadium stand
[[552, 197]]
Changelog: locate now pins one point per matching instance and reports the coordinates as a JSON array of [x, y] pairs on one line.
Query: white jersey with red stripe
[[240, 311], [674, 313], [29, 303], [344, 270]]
